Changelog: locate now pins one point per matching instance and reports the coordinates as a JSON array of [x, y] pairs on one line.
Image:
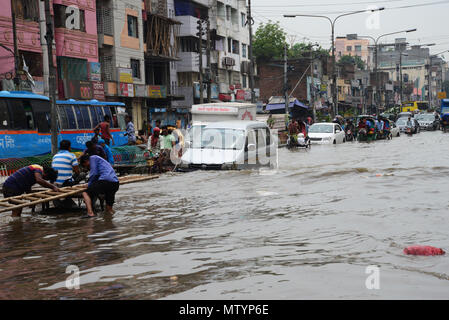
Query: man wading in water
[[102, 181]]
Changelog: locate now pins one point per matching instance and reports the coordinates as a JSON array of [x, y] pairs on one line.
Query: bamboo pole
[[66, 192]]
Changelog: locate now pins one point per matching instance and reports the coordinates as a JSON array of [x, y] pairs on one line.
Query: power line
[[327, 4]]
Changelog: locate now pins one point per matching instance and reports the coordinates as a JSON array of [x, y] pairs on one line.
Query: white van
[[231, 145]]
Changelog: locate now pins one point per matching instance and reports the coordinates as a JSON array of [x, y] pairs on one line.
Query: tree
[[352, 60], [269, 42], [302, 50]]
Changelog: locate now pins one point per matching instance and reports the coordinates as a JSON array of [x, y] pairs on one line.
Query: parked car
[[428, 121], [405, 115], [402, 124], [326, 133]]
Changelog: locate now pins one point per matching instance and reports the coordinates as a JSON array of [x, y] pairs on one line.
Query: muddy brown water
[[308, 230]]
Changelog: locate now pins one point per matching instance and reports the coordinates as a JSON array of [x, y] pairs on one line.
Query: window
[[358, 48], [244, 81], [69, 18], [27, 9], [243, 50], [132, 27], [71, 122], [41, 110], [135, 66], [349, 48], [100, 114], [229, 45], [63, 121], [82, 117], [21, 114], [228, 13], [4, 115], [235, 47], [94, 116], [243, 17]]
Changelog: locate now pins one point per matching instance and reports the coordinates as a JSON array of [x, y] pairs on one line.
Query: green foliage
[[352, 60], [269, 41], [302, 50]]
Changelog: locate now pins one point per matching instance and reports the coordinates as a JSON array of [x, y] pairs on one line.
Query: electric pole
[[400, 75], [250, 23], [51, 77], [200, 51], [287, 102], [16, 48], [312, 88], [209, 70], [429, 82]]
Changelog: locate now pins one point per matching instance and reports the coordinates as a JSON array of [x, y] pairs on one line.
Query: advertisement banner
[[141, 90], [126, 90], [98, 91], [75, 89], [157, 91], [240, 95], [94, 71], [125, 75]]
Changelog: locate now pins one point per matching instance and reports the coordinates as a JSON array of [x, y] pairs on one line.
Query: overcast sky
[[430, 17]]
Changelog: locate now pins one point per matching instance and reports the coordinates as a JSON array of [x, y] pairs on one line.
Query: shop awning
[[279, 106]]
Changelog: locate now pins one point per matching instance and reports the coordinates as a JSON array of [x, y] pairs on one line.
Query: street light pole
[[14, 36], [250, 23], [376, 66], [332, 22]]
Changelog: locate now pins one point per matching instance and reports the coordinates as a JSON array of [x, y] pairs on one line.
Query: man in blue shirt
[[102, 180], [65, 163], [107, 150], [130, 131]]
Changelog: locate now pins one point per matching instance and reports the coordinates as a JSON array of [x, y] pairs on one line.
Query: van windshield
[[225, 139]]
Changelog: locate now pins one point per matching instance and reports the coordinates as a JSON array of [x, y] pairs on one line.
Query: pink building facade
[[76, 49]]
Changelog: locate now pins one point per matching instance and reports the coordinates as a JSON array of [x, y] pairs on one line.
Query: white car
[[326, 133], [394, 129]]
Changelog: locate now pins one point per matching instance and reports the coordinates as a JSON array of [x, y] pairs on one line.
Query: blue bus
[[444, 106], [25, 123]]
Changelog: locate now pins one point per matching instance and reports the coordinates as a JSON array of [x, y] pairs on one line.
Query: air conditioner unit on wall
[[228, 61]]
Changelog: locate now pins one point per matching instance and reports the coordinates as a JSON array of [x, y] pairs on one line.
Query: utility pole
[[16, 48], [52, 77], [287, 102], [209, 72], [334, 74], [400, 76], [429, 82], [43, 31], [250, 23], [312, 88], [200, 51]]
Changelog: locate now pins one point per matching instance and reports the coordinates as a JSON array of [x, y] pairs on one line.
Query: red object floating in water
[[424, 251]]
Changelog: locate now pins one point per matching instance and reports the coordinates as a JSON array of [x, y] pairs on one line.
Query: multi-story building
[[75, 37], [352, 47]]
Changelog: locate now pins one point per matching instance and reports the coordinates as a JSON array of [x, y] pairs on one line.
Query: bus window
[[70, 117], [21, 114], [114, 122], [121, 121], [93, 114], [41, 110], [85, 113], [107, 111], [4, 115], [100, 114], [64, 122]]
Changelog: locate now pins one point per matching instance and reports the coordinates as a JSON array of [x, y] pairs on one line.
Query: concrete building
[[75, 44], [352, 47]]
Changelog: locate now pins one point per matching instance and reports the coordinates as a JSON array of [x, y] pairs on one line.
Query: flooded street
[[305, 231]]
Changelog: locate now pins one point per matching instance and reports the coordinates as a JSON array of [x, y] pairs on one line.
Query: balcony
[[188, 27], [190, 62]]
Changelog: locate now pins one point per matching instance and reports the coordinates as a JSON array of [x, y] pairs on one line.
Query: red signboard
[[224, 97], [98, 91]]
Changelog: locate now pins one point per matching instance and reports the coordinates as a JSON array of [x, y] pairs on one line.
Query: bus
[[25, 123], [413, 106], [444, 106]]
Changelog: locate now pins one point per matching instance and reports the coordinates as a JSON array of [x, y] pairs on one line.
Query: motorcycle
[[409, 131], [299, 142], [349, 135]]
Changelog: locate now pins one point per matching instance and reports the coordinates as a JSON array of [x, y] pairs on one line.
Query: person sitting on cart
[[93, 149], [107, 150], [154, 146], [293, 129], [23, 180]]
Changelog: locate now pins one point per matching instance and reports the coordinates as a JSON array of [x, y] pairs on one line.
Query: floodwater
[[308, 230]]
